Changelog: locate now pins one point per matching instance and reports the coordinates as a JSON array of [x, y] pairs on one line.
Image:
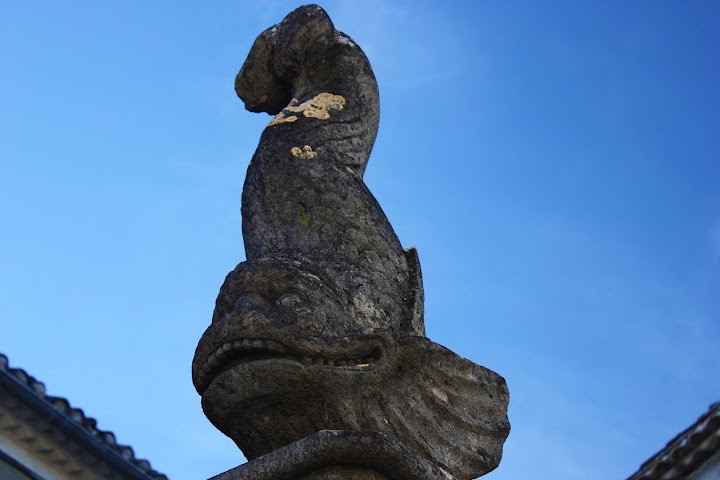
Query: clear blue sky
[[557, 165]]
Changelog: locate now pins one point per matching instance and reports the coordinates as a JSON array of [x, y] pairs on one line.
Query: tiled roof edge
[[687, 451], [104, 439]]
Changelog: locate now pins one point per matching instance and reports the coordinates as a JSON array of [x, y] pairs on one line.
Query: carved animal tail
[[304, 196], [303, 56]]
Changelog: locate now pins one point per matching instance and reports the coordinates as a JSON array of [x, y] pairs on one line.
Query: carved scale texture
[[318, 208]]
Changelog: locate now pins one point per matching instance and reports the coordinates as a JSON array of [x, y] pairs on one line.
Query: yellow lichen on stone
[[306, 152], [281, 118], [318, 107]]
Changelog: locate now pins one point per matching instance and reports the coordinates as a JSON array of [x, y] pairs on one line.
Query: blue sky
[[555, 163]]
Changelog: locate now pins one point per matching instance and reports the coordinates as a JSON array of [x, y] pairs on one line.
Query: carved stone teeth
[[271, 345], [227, 348]]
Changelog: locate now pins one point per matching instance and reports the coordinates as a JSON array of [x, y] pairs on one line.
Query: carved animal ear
[[450, 410], [256, 84]]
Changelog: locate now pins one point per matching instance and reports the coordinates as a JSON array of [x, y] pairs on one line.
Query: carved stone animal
[[322, 327], [304, 196]]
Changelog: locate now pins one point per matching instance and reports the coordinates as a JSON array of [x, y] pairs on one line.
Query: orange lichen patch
[[306, 152]]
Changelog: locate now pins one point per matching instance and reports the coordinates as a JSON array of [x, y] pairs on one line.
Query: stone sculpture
[[316, 362]]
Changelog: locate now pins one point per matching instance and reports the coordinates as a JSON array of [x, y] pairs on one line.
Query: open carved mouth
[[243, 351]]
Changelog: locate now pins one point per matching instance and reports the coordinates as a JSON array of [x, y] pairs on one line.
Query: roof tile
[[76, 414]]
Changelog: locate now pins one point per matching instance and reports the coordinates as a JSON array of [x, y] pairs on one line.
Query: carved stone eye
[[288, 300], [252, 301]]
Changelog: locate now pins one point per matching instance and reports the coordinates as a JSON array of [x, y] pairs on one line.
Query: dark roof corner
[[687, 452], [20, 390]]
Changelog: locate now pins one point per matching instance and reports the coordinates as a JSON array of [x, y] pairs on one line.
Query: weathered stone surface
[[321, 329], [339, 455], [304, 196]]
